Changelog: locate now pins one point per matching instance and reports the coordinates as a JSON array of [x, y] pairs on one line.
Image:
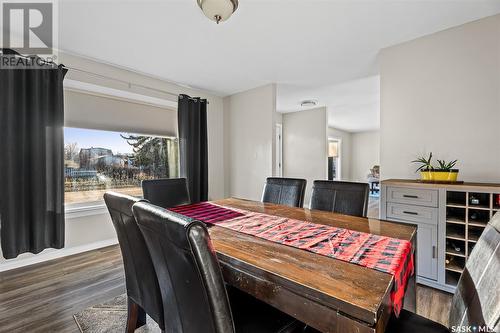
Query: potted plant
[[425, 167], [444, 172]]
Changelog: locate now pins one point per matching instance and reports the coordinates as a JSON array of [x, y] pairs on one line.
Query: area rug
[[110, 317]]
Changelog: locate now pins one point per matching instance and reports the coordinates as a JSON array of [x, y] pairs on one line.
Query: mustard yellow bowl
[[446, 176], [439, 176]]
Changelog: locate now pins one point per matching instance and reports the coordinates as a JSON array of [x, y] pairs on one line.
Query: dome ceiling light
[[218, 10], [309, 103]]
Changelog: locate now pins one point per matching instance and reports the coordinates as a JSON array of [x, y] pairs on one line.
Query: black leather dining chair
[[348, 198], [166, 193], [284, 191], [476, 302], [143, 291], [191, 283]]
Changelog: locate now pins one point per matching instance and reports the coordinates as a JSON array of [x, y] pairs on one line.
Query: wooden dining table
[[327, 294]]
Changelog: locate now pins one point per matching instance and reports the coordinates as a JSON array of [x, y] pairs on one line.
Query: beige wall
[[249, 123], [365, 153], [305, 146], [345, 151], [441, 93]]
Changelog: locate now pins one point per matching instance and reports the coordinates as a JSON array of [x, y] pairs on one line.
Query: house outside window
[[98, 161]]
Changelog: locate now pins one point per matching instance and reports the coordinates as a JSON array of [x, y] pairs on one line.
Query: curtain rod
[[128, 83]]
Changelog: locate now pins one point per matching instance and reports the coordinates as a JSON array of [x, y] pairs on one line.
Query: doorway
[[334, 166], [279, 151]]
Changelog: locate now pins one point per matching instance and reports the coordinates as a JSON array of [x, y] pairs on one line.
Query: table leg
[[410, 302]]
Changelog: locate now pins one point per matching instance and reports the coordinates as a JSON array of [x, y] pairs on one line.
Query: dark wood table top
[[353, 290]]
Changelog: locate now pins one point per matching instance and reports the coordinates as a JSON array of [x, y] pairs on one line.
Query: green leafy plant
[[446, 166], [425, 163]]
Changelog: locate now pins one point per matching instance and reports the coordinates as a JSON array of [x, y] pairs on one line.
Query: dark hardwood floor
[[44, 297]]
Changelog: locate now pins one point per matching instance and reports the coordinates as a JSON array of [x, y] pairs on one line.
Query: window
[[97, 161]]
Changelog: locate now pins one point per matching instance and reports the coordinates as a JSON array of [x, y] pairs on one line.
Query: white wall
[[249, 123], [365, 153], [345, 151], [441, 93], [305, 146], [88, 231]]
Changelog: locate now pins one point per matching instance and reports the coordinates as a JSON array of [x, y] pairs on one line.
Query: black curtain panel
[[193, 145], [32, 159]]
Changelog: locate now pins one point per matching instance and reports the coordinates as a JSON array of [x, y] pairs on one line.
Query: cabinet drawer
[[412, 213], [412, 196]]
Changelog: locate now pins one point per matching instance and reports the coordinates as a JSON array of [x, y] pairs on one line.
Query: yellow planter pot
[[439, 176], [427, 175]]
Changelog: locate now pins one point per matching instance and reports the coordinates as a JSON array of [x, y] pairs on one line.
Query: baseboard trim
[[54, 254]]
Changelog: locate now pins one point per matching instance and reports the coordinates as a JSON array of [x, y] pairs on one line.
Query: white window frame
[[71, 211]]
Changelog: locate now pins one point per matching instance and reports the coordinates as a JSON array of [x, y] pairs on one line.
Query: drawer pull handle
[[434, 252], [410, 196], [410, 213]]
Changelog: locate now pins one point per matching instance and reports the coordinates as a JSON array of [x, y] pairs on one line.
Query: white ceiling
[[302, 45], [353, 106]]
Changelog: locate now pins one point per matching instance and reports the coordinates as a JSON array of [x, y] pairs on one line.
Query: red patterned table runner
[[385, 254], [207, 212]]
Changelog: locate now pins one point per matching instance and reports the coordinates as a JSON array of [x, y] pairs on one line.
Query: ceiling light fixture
[[218, 10], [309, 103]]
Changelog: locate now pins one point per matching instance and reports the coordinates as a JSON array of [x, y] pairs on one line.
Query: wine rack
[[467, 214]]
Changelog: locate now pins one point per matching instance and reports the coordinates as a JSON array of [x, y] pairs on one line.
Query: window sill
[[76, 211]]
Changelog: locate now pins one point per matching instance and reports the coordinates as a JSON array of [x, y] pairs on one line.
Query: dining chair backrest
[[166, 193], [284, 191], [348, 198], [140, 277], [477, 298], [191, 283]]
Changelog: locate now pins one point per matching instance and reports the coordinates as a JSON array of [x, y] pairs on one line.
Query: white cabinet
[[420, 207], [450, 218], [427, 243]]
